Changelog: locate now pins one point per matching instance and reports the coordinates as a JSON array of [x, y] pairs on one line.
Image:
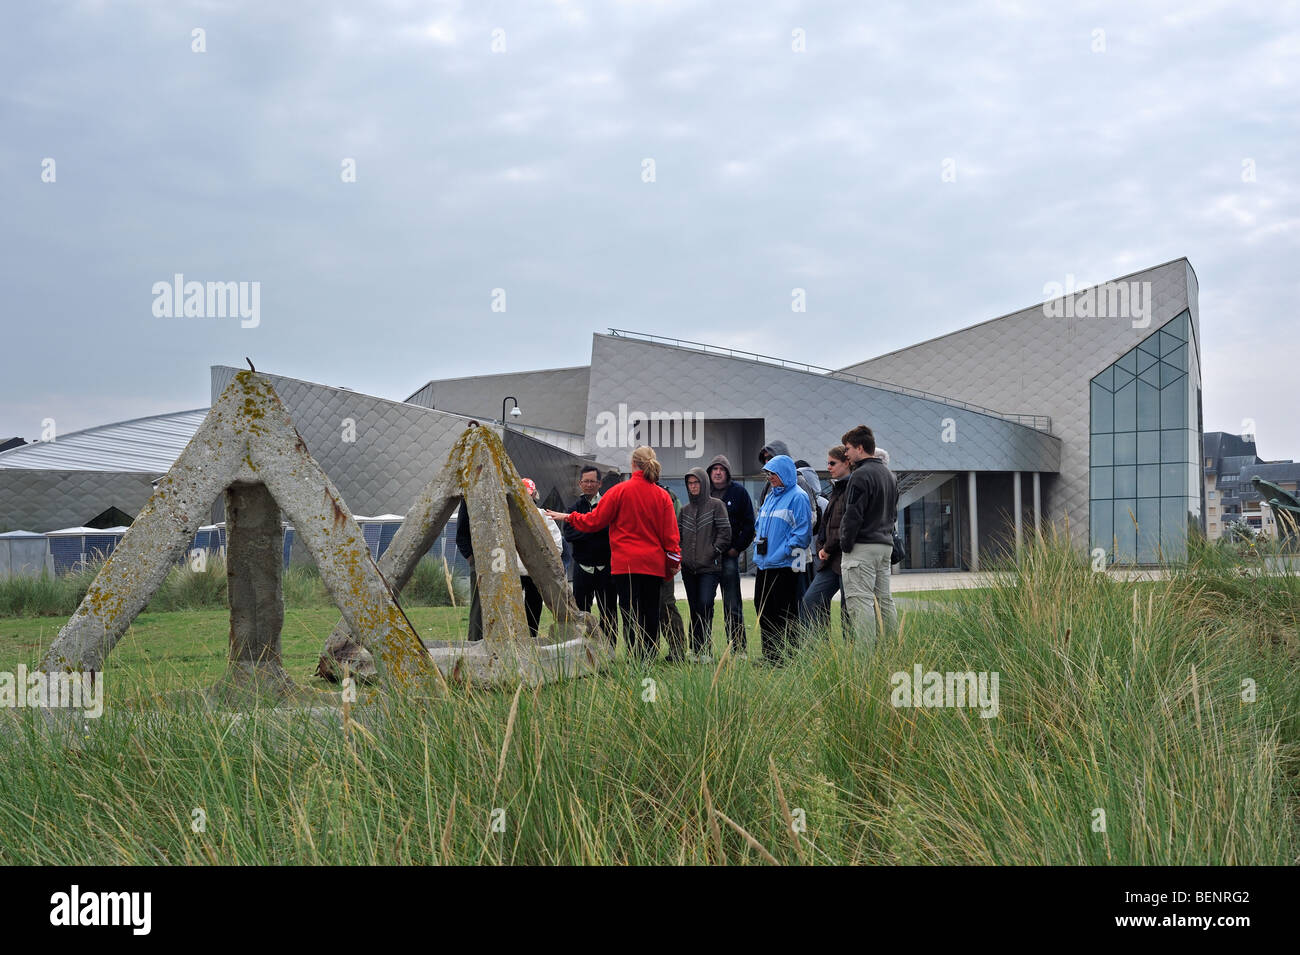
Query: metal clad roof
[[143, 444]]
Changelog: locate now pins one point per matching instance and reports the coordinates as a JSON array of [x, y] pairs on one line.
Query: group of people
[[629, 543]]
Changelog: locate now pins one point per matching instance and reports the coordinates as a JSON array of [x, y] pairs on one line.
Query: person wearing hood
[[740, 514], [784, 533], [705, 531], [807, 477], [816, 606]]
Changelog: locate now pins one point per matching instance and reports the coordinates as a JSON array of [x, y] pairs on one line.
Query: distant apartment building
[[1230, 462]]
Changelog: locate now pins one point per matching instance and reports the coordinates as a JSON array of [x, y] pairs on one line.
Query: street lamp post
[[514, 412]]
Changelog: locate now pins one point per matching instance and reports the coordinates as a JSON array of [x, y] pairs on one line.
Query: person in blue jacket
[[783, 536]]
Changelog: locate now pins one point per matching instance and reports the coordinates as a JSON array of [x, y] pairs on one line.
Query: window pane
[[1148, 414], [1148, 480], [1173, 409], [1178, 327], [1103, 446], [1102, 483], [1177, 358], [1173, 527], [1126, 481], [1173, 445], [1126, 409], [1148, 447], [1103, 411], [1100, 524], [1173, 479], [1125, 534], [1148, 514], [1126, 448]]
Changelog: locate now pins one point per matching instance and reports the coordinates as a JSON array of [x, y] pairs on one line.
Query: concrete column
[[974, 522], [254, 562], [1038, 506], [1017, 503]]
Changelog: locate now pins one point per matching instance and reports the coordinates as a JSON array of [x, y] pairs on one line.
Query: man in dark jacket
[[816, 606], [706, 536], [740, 512], [591, 576], [867, 536]]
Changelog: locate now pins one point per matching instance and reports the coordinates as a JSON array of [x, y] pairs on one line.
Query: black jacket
[[464, 543], [870, 506], [740, 508], [589, 550], [828, 536]]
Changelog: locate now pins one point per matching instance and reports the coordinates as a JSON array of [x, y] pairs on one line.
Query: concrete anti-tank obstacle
[[502, 521], [247, 447]]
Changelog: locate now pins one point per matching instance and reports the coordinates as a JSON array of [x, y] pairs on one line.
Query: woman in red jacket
[[644, 547]]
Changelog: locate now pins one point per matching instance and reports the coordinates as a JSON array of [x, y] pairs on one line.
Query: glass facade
[[929, 528], [1144, 462]]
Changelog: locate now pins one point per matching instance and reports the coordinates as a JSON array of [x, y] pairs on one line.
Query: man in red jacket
[[644, 547]]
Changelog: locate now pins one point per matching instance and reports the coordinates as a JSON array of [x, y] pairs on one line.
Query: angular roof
[[1233, 464], [1221, 444], [799, 404], [142, 445], [551, 398], [1271, 471]]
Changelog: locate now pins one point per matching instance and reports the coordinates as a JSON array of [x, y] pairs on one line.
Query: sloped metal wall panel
[[808, 411], [553, 398]]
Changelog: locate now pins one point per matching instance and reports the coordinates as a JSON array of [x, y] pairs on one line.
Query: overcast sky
[[1076, 152]]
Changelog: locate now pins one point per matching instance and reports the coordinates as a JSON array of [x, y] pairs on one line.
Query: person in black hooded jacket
[[705, 533], [740, 512]]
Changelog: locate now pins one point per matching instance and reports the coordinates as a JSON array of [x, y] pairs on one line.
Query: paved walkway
[[943, 580]]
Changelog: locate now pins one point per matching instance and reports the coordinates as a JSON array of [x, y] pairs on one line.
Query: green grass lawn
[[187, 649]]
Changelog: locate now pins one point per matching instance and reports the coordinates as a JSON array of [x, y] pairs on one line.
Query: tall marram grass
[[1119, 698]]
